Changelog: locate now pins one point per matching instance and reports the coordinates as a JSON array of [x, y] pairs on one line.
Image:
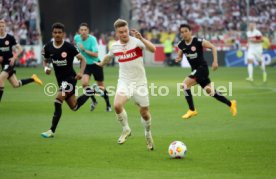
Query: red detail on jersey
[[129, 55], [193, 48], [259, 37]]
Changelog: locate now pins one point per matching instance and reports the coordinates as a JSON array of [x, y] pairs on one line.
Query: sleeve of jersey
[[179, 45], [94, 45], [140, 44], [200, 41], [44, 52], [74, 50], [13, 41]]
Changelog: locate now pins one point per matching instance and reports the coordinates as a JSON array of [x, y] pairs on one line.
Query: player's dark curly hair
[[185, 26], [58, 25]]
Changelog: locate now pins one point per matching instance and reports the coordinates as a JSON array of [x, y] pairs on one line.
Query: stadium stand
[[21, 17], [213, 19]]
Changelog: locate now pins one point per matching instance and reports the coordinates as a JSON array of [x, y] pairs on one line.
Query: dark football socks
[[221, 98], [57, 115], [106, 98], [1, 92], [189, 98], [25, 81]]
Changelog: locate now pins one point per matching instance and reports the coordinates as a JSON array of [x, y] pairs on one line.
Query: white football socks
[[250, 70], [146, 124], [122, 118]]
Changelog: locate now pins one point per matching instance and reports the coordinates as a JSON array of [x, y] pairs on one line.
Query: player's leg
[[71, 100], [187, 84], [250, 65], [146, 121], [56, 117], [141, 98], [261, 62], [218, 96], [18, 83], [3, 77], [120, 99], [85, 83], [105, 95], [99, 78]]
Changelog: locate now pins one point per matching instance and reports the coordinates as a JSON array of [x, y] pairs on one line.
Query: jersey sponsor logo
[[129, 55], [193, 48], [63, 54], [5, 49], [191, 55], [59, 62], [7, 42]]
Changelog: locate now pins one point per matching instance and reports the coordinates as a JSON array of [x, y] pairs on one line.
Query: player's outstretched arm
[[47, 69], [147, 43], [207, 44], [90, 53], [179, 56], [82, 64], [104, 61], [15, 56]]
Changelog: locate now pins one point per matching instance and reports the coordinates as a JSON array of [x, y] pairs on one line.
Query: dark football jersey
[[193, 52], [6, 44], [62, 59]]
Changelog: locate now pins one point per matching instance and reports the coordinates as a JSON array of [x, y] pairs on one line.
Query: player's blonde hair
[[2, 21], [120, 23]]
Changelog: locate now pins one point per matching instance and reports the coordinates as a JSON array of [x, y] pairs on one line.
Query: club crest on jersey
[[63, 54], [193, 48], [7, 42]]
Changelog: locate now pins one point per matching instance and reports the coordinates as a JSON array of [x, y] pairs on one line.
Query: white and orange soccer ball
[[177, 149]]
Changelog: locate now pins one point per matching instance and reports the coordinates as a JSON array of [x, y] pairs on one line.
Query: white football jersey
[[131, 61], [254, 34]]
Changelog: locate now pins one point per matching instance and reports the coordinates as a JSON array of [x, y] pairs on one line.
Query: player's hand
[[214, 66], [12, 60], [178, 59], [81, 47], [99, 64], [1, 59], [136, 34], [47, 70], [78, 76]]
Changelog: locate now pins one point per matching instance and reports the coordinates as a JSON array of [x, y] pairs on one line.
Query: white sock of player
[[250, 70], [122, 118], [146, 124]]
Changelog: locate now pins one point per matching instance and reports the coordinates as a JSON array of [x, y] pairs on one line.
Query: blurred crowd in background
[[211, 19], [222, 22], [21, 18]]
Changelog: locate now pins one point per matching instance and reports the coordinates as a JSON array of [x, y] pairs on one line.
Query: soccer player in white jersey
[[132, 82], [255, 50]]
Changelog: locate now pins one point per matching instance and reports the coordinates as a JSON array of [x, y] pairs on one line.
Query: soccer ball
[[177, 149]]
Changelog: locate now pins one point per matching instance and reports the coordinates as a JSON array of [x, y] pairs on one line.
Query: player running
[[88, 46], [255, 51], [192, 48], [61, 54], [7, 60], [132, 82]]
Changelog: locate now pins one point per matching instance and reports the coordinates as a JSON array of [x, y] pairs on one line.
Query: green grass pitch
[[85, 145]]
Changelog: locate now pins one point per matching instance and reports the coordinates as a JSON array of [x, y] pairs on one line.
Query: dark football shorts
[[9, 69], [94, 70], [68, 86], [201, 75]]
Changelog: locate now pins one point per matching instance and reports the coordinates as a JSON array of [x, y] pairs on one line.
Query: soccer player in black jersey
[[7, 60], [192, 48], [61, 54]]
